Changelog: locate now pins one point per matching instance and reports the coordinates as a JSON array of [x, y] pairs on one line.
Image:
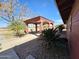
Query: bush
[[52, 39], [50, 36], [61, 27], [17, 26]]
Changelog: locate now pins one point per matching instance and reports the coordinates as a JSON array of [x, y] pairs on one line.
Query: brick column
[[27, 28], [41, 26], [36, 27], [48, 25]]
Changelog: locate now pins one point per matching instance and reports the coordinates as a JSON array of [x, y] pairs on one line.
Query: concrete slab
[[29, 57], [9, 54]]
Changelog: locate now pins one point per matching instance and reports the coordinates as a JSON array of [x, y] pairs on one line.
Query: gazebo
[[39, 20]]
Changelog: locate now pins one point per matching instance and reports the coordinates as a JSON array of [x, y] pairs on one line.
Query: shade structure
[[39, 20]]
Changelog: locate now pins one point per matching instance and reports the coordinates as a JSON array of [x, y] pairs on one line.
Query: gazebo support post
[[27, 28], [48, 25], [36, 27], [41, 27], [52, 25]]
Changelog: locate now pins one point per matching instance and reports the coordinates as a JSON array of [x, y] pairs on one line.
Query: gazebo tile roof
[[38, 19]]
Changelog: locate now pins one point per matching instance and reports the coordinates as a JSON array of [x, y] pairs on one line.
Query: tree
[[12, 12]]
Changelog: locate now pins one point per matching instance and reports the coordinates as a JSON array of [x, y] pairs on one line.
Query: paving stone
[[9, 54], [30, 57]]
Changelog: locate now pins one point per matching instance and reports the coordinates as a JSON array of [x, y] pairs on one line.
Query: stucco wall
[[73, 31]]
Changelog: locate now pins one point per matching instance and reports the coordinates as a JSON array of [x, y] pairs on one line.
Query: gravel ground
[[10, 43]]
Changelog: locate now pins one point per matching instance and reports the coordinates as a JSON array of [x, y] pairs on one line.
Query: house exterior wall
[[73, 31]]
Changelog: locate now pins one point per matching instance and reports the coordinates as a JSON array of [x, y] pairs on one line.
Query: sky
[[45, 8]]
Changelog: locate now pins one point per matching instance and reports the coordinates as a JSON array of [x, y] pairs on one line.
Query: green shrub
[[60, 27], [52, 39], [50, 36], [17, 26]]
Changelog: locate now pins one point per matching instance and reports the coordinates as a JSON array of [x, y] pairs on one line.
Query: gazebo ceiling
[[65, 7], [37, 20]]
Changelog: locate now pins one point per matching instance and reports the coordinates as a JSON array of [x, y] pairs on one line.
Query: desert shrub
[[17, 26], [60, 27], [50, 36], [52, 39]]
